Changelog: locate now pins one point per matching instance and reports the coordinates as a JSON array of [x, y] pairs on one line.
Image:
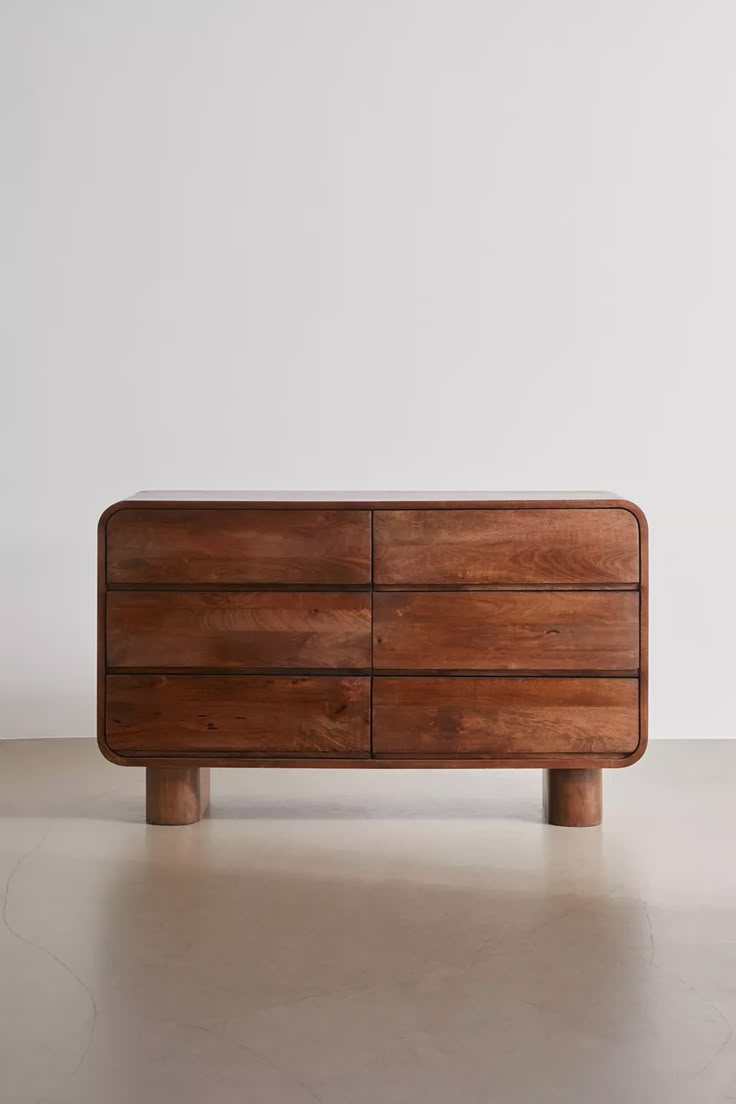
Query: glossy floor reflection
[[367, 937]]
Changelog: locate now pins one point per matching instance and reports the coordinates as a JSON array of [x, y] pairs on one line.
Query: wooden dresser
[[384, 630]]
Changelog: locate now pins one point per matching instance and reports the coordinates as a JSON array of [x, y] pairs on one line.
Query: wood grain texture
[[320, 503], [586, 631], [573, 798], [153, 629], [506, 546], [504, 716], [239, 546], [238, 715], [177, 795], [375, 762]]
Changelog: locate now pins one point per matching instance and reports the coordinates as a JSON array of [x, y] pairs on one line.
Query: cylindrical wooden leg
[[177, 795], [573, 798]]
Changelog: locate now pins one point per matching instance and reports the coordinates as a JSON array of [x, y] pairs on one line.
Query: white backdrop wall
[[366, 243]]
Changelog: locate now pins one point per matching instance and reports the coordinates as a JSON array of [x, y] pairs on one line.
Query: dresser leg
[[177, 795], [573, 798]]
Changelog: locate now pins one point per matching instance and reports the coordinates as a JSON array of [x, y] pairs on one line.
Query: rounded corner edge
[[638, 513], [635, 755], [108, 512], [111, 756]]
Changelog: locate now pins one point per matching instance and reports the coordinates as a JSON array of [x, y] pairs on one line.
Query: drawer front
[[505, 716], [155, 629], [523, 547], [239, 546], [520, 631], [248, 714]]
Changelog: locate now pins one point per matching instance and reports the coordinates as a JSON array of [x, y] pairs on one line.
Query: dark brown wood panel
[[504, 716], [259, 630], [507, 631], [497, 546], [324, 547], [180, 715], [319, 511]]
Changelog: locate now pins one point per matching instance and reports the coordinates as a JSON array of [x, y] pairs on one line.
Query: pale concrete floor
[[367, 937]]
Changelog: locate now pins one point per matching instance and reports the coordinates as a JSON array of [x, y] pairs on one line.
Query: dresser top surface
[[373, 498]]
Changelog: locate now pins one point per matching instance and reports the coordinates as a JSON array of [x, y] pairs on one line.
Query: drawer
[[248, 714], [523, 547], [155, 546], [505, 716], [155, 629], [506, 631]]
